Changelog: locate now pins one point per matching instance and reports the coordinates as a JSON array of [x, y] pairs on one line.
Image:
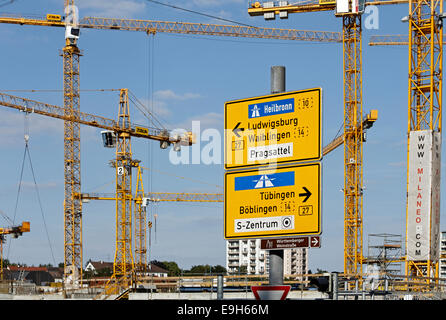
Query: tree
[[171, 266], [218, 269], [201, 269], [104, 272], [321, 270]]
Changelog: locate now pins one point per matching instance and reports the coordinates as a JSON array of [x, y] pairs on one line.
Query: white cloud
[[158, 107], [214, 3], [111, 8], [170, 95], [211, 120], [12, 128], [161, 101], [397, 164]]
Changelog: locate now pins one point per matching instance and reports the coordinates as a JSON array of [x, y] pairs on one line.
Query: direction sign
[[277, 128], [267, 292], [273, 202], [290, 243]]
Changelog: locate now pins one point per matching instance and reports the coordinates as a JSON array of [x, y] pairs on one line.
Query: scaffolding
[[384, 252]]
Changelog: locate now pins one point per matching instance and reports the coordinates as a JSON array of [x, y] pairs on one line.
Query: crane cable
[[6, 3], [200, 13], [27, 152]]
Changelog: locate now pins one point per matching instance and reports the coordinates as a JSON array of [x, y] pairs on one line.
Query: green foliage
[[171, 266], [218, 269], [321, 270], [174, 270], [104, 272], [206, 269]]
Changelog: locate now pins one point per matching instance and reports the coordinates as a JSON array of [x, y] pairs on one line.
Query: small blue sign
[[270, 108], [260, 181]]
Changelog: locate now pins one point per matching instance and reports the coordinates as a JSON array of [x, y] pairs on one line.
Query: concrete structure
[[245, 256]]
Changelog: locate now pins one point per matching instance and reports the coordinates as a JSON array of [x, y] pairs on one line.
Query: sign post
[[273, 148]]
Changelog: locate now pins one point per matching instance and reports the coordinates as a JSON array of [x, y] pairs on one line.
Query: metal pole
[[276, 256], [363, 290], [220, 287], [278, 79], [335, 286]]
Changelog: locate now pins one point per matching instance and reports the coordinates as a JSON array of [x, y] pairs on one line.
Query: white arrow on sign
[[314, 242]]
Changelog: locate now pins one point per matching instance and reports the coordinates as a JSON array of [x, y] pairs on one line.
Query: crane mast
[[72, 167], [424, 115], [123, 266], [353, 140], [140, 225]]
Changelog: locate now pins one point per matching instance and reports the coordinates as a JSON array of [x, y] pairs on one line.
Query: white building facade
[[246, 257], [442, 264]]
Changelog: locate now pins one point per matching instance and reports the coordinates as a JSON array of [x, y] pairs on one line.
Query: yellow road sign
[[277, 128], [284, 201]]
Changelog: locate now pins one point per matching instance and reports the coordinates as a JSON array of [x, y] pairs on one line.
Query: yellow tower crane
[[16, 231], [122, 130], [72, 170], [71, 54], [351, 13], [425, 91]]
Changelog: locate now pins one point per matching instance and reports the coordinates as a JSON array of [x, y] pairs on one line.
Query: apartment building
[[245, 256], [442, 264]]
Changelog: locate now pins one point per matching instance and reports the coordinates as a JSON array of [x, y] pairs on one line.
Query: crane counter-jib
[[32, 106]]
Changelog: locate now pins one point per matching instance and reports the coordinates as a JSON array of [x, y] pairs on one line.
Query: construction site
[[122, 182]]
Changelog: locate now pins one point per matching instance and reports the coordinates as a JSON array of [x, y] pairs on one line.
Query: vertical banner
[[436, 180], [423, 198]]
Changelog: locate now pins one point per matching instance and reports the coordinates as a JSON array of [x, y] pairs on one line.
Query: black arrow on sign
[[307, 194], [236, 129]]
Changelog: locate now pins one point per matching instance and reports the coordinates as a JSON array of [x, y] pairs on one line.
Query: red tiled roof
[[16, 268]]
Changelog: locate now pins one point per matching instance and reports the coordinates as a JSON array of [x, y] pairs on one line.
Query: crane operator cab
[[72, 33], [108, 138], [72, 30]]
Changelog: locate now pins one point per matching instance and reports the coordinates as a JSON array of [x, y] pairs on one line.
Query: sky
[[183, 79]]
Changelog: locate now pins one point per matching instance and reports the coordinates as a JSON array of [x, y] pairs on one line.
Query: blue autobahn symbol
[[270, 108], [260, 181]]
